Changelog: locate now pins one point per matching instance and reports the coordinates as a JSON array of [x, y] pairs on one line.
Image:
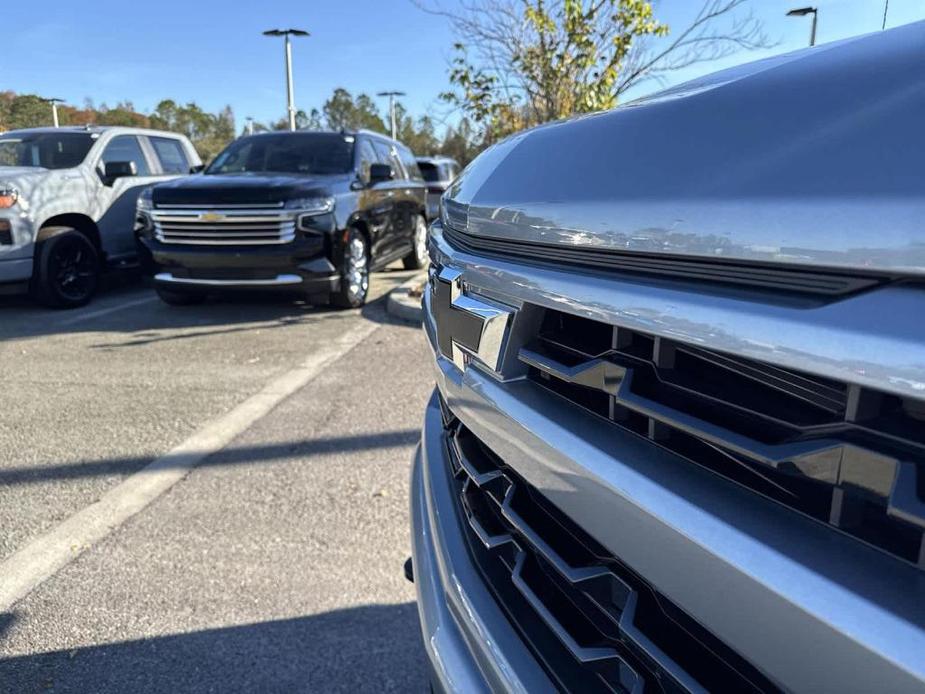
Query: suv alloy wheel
[[418, 255], [354, 283], [67, 268]]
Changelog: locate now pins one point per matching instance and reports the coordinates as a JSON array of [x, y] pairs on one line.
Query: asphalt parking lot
[[275, 563]]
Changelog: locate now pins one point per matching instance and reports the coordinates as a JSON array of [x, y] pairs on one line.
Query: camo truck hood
[[812, 158]]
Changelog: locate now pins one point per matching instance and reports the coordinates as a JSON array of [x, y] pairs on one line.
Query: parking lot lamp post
[[54, 101], [802, 12], [392, 96], [289, 92]]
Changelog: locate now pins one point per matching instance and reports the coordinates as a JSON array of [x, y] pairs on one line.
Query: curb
[[404, 306]]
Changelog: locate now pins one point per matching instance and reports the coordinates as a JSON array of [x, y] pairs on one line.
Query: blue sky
[[213, 52]]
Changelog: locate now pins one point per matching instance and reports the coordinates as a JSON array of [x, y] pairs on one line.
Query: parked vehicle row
[[307, 212]]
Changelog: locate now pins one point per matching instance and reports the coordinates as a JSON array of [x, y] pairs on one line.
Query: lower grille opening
[[593, 622]]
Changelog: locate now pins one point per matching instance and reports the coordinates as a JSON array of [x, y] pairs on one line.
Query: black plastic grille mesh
[[848, 456], [594, 623]]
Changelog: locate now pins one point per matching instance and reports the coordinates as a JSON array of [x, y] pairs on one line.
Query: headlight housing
[[145, 200], [8, 196], [311, 206]]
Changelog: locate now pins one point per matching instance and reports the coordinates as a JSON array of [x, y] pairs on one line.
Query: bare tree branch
[[523, 62]]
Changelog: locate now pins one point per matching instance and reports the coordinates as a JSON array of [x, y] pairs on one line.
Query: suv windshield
[[47, 150], [298, 153]]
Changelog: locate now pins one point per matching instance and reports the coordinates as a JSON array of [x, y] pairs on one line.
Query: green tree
[[209, 132], [460, 142], [6, 104], [523, 62], [28, 111], [342, 112], [124, 113]]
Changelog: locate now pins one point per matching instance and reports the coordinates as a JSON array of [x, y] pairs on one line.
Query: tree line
[[210, 132]]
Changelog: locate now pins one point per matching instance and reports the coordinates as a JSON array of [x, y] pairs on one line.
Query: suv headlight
[[312, 206], [8, 196], [145, 201]]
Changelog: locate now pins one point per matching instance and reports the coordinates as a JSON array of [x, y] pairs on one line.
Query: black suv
[[313, 212]]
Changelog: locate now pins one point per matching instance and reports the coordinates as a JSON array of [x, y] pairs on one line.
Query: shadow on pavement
[[133, 309], [6, 621], [372, 648], [246, 455]]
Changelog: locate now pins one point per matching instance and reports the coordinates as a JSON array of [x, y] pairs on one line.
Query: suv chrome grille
[[228, 226], [595, 623], [848, 456]]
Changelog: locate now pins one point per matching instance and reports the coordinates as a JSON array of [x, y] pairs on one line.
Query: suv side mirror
[[379, 173], [199, 168], [119, 169]]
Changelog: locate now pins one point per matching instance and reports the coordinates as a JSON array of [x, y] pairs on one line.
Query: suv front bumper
[[298, 266], [16, 258]]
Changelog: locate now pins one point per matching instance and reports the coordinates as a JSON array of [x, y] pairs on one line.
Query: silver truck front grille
[[230, 226]]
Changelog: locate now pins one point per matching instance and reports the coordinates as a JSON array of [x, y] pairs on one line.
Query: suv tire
[[417, 258], [175, 298], [354, 272], [67, 269]]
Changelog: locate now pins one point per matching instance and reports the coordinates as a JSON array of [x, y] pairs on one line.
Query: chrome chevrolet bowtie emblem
[[466, 325]]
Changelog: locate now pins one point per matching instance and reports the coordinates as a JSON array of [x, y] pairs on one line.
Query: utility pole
[[392, 96], [54, 101], [290, 108], [802, 12]]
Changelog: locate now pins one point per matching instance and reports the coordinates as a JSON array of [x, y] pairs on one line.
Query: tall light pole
[[249, 128], [392, 96], [54, 101], [802, 12], [289, 93]]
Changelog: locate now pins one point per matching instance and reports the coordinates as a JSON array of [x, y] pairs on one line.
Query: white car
[[67, 204]]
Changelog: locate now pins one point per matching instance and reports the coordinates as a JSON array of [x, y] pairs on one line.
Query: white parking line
[[73, 320], [44, 556]]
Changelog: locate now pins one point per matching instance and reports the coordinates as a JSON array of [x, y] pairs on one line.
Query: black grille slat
[[606, 618], [821, 447], [822, 393]]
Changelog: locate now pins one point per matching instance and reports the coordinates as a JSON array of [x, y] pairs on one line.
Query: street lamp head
[[801, 12], [285, 32], [390, 94]]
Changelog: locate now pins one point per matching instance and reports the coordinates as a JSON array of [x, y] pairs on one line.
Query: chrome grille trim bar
[[279, 280], [225, 225]]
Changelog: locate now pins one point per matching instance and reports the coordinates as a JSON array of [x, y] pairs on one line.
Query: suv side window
[[387, 155], [367, 157], [126, 148], [410, 163], [170, 154]]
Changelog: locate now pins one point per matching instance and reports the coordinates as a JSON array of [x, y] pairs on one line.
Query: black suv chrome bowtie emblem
[[466, 325]]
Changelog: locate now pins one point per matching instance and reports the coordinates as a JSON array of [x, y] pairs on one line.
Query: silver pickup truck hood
[[811, 158]]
